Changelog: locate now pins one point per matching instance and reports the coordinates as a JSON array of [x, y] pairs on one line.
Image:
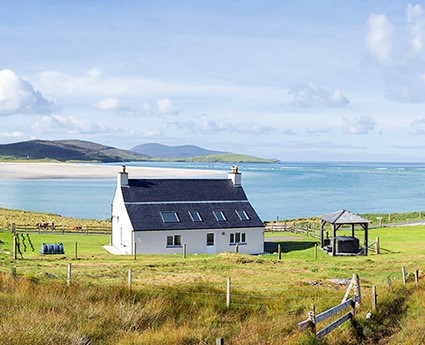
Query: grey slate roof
[[145, 199], [165, 190], [343, 217]]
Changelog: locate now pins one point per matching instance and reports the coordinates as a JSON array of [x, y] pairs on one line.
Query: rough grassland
[[182, 301], [31, 218]]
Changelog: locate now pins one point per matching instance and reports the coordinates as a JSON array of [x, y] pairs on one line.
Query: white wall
[[122, 229], [155, 242]]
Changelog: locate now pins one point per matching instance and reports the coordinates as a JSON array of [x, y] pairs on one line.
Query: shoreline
[[39, 171]]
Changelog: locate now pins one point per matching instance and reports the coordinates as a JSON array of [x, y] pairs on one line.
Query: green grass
[[182, 301], [21, 217]]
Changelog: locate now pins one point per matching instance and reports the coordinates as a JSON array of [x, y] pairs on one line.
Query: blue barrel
[[52, 248]]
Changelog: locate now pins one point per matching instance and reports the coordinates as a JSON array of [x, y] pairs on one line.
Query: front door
[[210, 243]]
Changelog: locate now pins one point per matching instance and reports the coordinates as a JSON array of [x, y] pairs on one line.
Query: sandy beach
[[19, 171]]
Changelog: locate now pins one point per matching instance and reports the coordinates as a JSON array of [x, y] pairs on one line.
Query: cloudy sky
[[293, 80]]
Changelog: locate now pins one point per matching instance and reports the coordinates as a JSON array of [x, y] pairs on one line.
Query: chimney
[[235, 176], [123, 178]]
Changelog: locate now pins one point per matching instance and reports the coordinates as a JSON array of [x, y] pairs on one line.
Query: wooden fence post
[[15, 248], [390, 284], [312, 317], [315, 250], [417, 278], [135, 251], [374, 298], [130, 278], [69, 274], [279, 252], [237, 248], [377, 245], [76, 250], [184, 250], [357, 290], [15, 242], [219, 341], [403, 274], [228, 293]]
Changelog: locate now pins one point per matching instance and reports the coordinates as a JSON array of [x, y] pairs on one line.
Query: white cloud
[[418, 126], [13, 134], [319, 131], [315, 96], [416, 21], [148, 133], [207, 124], [354, 124], [66, 124], [165, 106], [108, 104], [379, 36], [17, 96], [398, 54]]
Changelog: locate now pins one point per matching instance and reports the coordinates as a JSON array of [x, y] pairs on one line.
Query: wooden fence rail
[[303, 229], [313, 319], [57, 228]]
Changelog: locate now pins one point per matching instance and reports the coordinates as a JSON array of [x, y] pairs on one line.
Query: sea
[[278, 190]]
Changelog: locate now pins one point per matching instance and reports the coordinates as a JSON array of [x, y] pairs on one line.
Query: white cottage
[[157, 216]]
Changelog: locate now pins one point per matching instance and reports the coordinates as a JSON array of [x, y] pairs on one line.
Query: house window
[[210, 239], [238, 237], [174, 241], [242, 215], [170, 217], [196, 217], [219, 215]]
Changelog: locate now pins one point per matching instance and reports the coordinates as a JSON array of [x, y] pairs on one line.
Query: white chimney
[[235, 176], [123, 178]]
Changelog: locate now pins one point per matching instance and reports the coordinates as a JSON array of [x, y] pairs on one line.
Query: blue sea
[[284, 190]]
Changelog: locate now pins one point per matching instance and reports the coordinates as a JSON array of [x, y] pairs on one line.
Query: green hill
[[79, 150], [179, 152], [230, 158], [67, 150]]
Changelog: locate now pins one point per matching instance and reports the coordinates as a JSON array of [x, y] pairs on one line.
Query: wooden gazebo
[[338, 219]]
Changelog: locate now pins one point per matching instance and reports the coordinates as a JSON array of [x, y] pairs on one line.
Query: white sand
[[85, 171]]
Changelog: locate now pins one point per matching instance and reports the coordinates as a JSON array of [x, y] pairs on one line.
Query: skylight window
[[219, 215], [242, 215], [196, 217], [170, 217]]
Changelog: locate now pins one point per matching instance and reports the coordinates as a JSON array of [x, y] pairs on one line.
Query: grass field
[[182, 301], [22, 217]]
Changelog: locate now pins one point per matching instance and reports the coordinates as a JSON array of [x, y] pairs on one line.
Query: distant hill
[[164, 151], [67, 150], [192, 153], [231, 158], [86, 151]]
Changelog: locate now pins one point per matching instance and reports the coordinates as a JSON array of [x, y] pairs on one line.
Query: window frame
[[199, 219], [234, 236], [209, 244], [174, 241], [163, 213], [219, 219], [245, 215]]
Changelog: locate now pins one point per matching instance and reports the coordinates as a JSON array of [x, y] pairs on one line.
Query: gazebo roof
[[343, 217]]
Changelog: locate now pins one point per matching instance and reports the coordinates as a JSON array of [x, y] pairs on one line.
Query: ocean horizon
[[286, 190]]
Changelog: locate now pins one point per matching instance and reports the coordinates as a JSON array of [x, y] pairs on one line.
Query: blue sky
[[293, 80]]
